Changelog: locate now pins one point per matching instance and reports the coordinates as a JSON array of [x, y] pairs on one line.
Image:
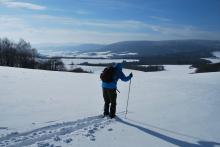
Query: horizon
[[106, 22], [78, 44]]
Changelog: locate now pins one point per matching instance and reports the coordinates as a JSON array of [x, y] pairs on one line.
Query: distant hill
[[88, 47], [148, 52], [160, 48], [70, 47], [66, 50], [198, 48]]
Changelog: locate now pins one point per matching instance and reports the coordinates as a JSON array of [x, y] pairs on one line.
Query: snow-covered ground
[[96, 61], [63, 53], [68, 62], [216, 59], [168, 108]]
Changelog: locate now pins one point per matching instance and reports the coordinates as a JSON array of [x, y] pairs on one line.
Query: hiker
[[110, 88]]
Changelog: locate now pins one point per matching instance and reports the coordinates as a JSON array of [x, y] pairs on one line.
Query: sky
[[108, 21]]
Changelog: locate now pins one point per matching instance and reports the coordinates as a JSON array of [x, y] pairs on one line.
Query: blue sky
[[108, 21]]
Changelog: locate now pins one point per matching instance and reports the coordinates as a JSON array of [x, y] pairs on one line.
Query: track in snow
[[56, 132]]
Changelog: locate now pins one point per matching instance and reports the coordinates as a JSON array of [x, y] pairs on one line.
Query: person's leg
[[113, 97], [106, 100]]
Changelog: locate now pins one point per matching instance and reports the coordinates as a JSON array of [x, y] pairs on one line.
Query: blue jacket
[[118, 75]]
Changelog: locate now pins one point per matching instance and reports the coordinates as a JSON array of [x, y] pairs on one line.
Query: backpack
[[108, 74]]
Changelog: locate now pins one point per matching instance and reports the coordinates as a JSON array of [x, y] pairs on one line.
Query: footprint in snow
[[57, 138], [68, 140], [3, 128], [91, 131], [88, 126], [43, 144], [92, 138]]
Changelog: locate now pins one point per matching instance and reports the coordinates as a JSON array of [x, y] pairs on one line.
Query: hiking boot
[[105, 114], [112, 116]]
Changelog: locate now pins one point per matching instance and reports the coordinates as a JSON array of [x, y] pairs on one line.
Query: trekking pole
[[128, 99]]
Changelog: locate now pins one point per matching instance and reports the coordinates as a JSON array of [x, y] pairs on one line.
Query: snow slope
[[169, 108]]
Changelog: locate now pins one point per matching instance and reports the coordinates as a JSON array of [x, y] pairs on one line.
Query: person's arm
[[125, 78]]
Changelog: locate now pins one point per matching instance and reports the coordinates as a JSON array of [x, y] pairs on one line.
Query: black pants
[[109, 96]]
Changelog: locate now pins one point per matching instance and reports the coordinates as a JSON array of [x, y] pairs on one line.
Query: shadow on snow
[[166, 138]]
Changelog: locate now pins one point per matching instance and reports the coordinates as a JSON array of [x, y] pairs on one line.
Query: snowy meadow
[[168, 108]]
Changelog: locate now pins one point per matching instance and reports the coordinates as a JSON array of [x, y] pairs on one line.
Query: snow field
[[168, 108]]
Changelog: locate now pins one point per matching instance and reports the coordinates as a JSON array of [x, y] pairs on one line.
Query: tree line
[[201, 68], [135, 65], [21, 54]]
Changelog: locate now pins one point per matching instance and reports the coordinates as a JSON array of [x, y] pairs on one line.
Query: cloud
[[82, 12], [160, 18], [108, 4], [13, 4], [99, 24], [16, 27], [59, 35]]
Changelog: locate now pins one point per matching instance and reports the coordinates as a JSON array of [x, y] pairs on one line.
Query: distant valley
[[148, 52]]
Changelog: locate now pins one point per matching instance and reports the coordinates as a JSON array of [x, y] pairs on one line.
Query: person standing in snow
[[110, 88]]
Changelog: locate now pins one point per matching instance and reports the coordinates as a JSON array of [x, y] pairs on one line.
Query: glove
[[131, 75]]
